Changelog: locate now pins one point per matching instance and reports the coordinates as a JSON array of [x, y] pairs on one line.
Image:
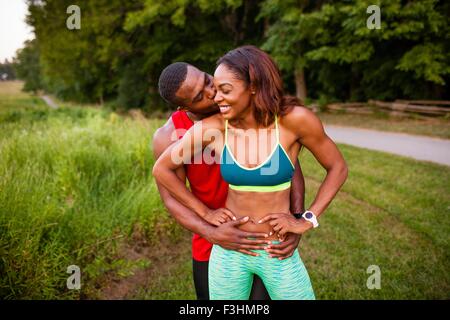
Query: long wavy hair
[[256, 68]]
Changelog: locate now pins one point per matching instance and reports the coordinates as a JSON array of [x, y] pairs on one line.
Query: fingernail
[[234, 218], [245, 219], [259, 221], [271, 233]]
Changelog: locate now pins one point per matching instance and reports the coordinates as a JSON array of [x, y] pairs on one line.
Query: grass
[[76, 188], [74, 182], [392, 213], [438, 127]]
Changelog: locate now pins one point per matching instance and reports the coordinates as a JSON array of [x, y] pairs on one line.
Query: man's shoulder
[[165, 131], [163, 136]]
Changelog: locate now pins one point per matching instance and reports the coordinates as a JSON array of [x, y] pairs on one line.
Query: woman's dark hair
[[256, 68]]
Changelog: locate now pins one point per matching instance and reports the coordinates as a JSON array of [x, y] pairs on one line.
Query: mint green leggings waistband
[[231, 275]]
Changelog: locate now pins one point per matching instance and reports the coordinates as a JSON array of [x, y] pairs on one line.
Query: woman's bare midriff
[[257, 205]]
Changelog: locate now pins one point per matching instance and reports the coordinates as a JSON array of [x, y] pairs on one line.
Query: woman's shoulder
[[300, 118], [297, 114], [212, 122]]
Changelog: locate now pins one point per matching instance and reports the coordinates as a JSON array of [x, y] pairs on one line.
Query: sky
[[13, 29]]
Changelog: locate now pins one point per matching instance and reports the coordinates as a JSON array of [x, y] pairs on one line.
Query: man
[[193, 91]]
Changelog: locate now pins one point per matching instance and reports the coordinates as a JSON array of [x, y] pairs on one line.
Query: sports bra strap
[[276, 129], [226, 132]]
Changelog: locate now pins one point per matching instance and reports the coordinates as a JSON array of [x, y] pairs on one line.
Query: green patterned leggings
[[231, 275]]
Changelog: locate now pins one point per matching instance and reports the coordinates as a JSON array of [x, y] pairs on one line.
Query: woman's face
[[233, 95]]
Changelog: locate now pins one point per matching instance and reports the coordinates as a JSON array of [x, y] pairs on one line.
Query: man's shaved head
[[171, 79]]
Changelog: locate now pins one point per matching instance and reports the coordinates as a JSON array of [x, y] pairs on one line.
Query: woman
[[256, 137]]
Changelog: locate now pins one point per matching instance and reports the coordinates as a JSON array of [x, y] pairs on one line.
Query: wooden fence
[[423, 107]]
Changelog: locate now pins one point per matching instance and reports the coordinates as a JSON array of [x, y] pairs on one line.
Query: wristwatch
[[311, 217]]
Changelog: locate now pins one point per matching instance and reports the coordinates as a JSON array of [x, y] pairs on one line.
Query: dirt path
[[417, 147], [49, 102]]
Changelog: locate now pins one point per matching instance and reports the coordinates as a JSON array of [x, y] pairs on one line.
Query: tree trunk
[[300, 84]]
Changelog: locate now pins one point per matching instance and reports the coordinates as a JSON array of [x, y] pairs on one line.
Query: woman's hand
[[283, 223], [219, 216]]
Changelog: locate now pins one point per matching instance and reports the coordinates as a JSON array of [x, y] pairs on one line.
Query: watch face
[[308, 215]]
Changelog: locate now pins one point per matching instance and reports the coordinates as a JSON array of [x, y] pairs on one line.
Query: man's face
[[197, 92]]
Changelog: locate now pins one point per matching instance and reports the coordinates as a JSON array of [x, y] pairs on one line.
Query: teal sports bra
[[274, 174]]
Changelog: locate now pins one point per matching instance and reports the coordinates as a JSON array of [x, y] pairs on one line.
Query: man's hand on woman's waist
[[228, 236]]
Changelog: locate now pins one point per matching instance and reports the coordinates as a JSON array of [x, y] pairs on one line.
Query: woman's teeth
[[224, 108]]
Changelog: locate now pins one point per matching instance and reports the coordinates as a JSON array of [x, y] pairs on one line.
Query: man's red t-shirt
[[206, 184]]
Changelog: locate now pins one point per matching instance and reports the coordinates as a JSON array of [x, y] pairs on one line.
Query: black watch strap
[[298, 215]]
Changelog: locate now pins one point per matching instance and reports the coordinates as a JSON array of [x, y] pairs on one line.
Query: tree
[[324, 47], [81, 64], [28, 67], [330, 40]]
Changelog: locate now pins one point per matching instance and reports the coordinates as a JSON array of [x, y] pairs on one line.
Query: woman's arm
[[297, 190], [311, 134], [183, 152], [162, 139], [309, 130]]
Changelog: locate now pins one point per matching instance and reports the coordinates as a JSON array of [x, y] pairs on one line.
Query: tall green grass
[[74, 182]]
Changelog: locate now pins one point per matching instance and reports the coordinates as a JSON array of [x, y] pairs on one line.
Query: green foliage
[[413, 40], [81, 64], [428, 61], [133, 86], [122, 46], [27, 66]]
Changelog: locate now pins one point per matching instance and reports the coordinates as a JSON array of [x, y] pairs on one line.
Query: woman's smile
[[224, 108]]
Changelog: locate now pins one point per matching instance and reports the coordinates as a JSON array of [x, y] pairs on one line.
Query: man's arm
[[226, 235]]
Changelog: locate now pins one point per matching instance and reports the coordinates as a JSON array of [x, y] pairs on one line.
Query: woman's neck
[[246, 121]]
